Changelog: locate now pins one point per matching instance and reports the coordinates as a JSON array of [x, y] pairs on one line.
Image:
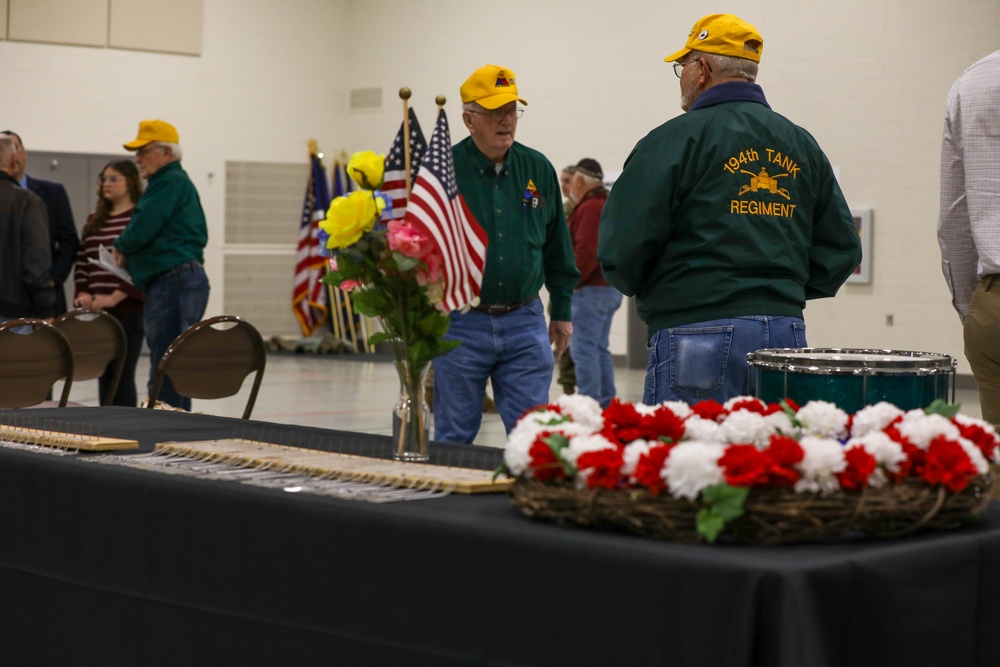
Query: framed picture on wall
[[863, 221]]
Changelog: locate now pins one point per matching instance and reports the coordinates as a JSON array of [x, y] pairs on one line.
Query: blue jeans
[[173, 304], [708, 360], [511, 350], [593, 309]]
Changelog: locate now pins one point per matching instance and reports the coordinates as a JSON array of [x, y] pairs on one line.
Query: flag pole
[[404, 94], [440, 100]]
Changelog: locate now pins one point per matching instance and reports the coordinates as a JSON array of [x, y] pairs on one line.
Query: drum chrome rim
[[851, 361]]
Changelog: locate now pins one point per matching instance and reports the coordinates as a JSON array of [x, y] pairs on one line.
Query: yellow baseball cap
[[491, 86], [153, 130], [724, 35]]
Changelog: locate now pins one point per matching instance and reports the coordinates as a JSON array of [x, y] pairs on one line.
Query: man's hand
[[559, 335], [119, 258], [83, 300]]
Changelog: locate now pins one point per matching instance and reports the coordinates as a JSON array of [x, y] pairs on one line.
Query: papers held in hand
[[107, 262]]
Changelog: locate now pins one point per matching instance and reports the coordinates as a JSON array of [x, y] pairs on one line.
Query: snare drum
[[852, 379]]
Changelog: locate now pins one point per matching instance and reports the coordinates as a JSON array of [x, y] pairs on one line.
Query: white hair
[[174, 148], [729, 66]]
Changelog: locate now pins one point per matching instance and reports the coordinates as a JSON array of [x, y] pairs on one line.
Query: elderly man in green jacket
[[163, 246], [723, 223]]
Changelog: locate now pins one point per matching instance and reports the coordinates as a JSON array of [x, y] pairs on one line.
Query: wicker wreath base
[[772, 516]]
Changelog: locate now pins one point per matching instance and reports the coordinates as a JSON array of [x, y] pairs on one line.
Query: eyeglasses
[[499, 114], [148, 147], [679, 67]]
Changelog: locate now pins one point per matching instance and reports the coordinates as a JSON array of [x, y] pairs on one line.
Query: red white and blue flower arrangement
[[751, 471]]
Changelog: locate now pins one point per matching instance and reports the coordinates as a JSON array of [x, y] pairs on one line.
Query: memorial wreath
[[751, 472]]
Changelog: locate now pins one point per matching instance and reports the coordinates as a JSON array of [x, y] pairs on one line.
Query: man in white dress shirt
[[969, 222]]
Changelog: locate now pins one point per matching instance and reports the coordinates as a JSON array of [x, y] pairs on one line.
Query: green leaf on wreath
[[709, 524], [939, 407], [557, 442], [787, 409], [723, 503]]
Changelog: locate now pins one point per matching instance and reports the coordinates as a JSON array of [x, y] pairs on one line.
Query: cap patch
[[703, 35]]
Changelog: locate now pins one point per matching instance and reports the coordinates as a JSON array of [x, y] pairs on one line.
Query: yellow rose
[[367, 169], [348, 218]]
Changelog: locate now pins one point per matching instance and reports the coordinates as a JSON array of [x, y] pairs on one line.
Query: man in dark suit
[[63, 237]]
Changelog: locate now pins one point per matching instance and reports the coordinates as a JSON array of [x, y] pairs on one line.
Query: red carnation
[[749, 404], [649, 466], [980, 437], [622, 423], [664, 423], [744, 465], [947, 463], [784, 453], [603, 466], [860, 465], [545, 465], [914, 455], [709, 409]]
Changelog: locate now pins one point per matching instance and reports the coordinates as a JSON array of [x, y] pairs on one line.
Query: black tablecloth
[[106, 565]]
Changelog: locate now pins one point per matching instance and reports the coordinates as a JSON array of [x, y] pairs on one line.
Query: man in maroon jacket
[[594, 301]]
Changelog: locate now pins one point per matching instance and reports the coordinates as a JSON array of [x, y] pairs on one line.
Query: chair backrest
[[96, 339], [34, 355], [212, 359]]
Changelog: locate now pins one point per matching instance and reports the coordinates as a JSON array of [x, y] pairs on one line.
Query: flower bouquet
[[748, 471], [392, 272]]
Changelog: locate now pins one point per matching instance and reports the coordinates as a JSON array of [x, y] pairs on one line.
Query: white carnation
[[873, 418], [823, 459], [582, 410], [691, 467], [534, 423], [745, 427], [920, 428], [781, 423], [823, 419], [703, 430], [585, 443], [634, 451], [679, 408], [887, 452], [516, 452]]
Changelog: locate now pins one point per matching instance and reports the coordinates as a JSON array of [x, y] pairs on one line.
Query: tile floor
[[356, 395]]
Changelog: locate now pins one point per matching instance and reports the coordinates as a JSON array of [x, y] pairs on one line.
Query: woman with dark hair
[[119, 188]]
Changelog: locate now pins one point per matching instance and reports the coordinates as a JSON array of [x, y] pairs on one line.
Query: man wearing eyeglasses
[[513, 192], [725, 220], [163, 246]]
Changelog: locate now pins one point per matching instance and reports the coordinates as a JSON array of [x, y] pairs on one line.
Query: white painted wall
[[868, 79]]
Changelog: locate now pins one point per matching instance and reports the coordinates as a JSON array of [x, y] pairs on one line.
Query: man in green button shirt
[[513, 192], [164, 246]]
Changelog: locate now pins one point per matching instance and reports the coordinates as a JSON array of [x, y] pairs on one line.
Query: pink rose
[[349, 285], [406, 240], [433, 272]]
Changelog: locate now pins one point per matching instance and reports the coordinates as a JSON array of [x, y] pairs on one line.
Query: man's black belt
[[180, 268], [503, 308]]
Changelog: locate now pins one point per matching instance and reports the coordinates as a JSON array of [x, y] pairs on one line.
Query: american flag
[[309, 293], [394, 182], [439, 211]]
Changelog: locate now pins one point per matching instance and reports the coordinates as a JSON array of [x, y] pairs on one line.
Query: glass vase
[[411, 417]]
